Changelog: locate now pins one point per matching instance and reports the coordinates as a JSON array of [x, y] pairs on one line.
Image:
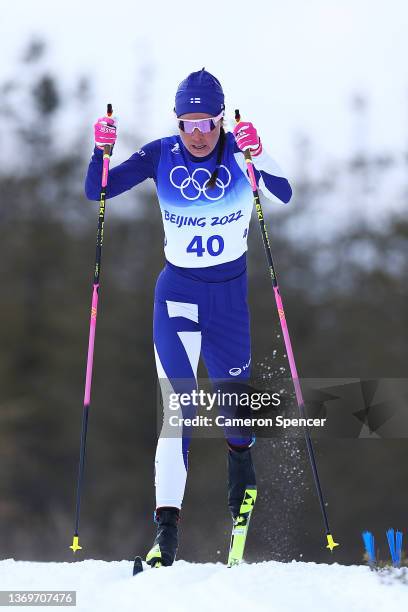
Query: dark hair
[[221, 145]]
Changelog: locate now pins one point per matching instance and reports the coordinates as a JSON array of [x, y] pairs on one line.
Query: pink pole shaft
[[288, 346], [252, 178], [91, 344], [281, 313], [105, 170]]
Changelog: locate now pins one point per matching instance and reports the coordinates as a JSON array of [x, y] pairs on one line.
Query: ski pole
[[288, 345], [92, 330]]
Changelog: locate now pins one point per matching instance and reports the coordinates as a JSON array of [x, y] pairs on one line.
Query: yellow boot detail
[[154, 554]]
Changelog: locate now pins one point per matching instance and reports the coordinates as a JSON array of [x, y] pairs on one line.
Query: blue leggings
[[193, 318]]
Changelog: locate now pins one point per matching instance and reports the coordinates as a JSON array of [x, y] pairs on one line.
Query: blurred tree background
[[345, 295]]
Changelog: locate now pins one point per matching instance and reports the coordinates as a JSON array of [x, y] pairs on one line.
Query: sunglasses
[[204, 125]]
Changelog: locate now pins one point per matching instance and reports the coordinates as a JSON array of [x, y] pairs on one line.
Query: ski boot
[[241, 475], [164, 549], [241, 499]]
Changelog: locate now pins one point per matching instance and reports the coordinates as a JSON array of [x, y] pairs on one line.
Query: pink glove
[[105, 132], [247, 137]]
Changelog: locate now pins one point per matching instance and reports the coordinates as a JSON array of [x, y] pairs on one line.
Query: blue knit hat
[[200, 92]]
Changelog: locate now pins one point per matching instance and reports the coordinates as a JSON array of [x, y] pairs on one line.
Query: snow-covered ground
[[194, 587]]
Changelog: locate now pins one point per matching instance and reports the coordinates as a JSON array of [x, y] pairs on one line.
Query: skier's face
[[197, 143]]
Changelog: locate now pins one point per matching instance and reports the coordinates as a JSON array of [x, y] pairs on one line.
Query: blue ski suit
[[200, 303]]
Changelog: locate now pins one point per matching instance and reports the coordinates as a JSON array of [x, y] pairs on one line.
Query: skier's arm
[[269, 176], [140, 166]]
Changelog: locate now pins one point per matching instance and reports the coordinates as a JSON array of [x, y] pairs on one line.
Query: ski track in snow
[[206, 587]]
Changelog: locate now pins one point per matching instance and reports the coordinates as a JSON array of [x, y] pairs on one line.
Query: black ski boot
[[164, 549], [241, 476]]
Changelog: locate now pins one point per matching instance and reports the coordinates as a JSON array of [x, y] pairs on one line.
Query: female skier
[[200, 302]]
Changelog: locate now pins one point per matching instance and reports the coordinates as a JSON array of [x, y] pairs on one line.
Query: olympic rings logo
[[196, 188]]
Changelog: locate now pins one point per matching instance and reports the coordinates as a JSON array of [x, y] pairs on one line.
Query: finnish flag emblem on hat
[[199, 92]]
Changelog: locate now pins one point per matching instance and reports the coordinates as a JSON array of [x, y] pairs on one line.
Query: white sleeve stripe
[[262, 162], [239, 158], [265, 163]]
